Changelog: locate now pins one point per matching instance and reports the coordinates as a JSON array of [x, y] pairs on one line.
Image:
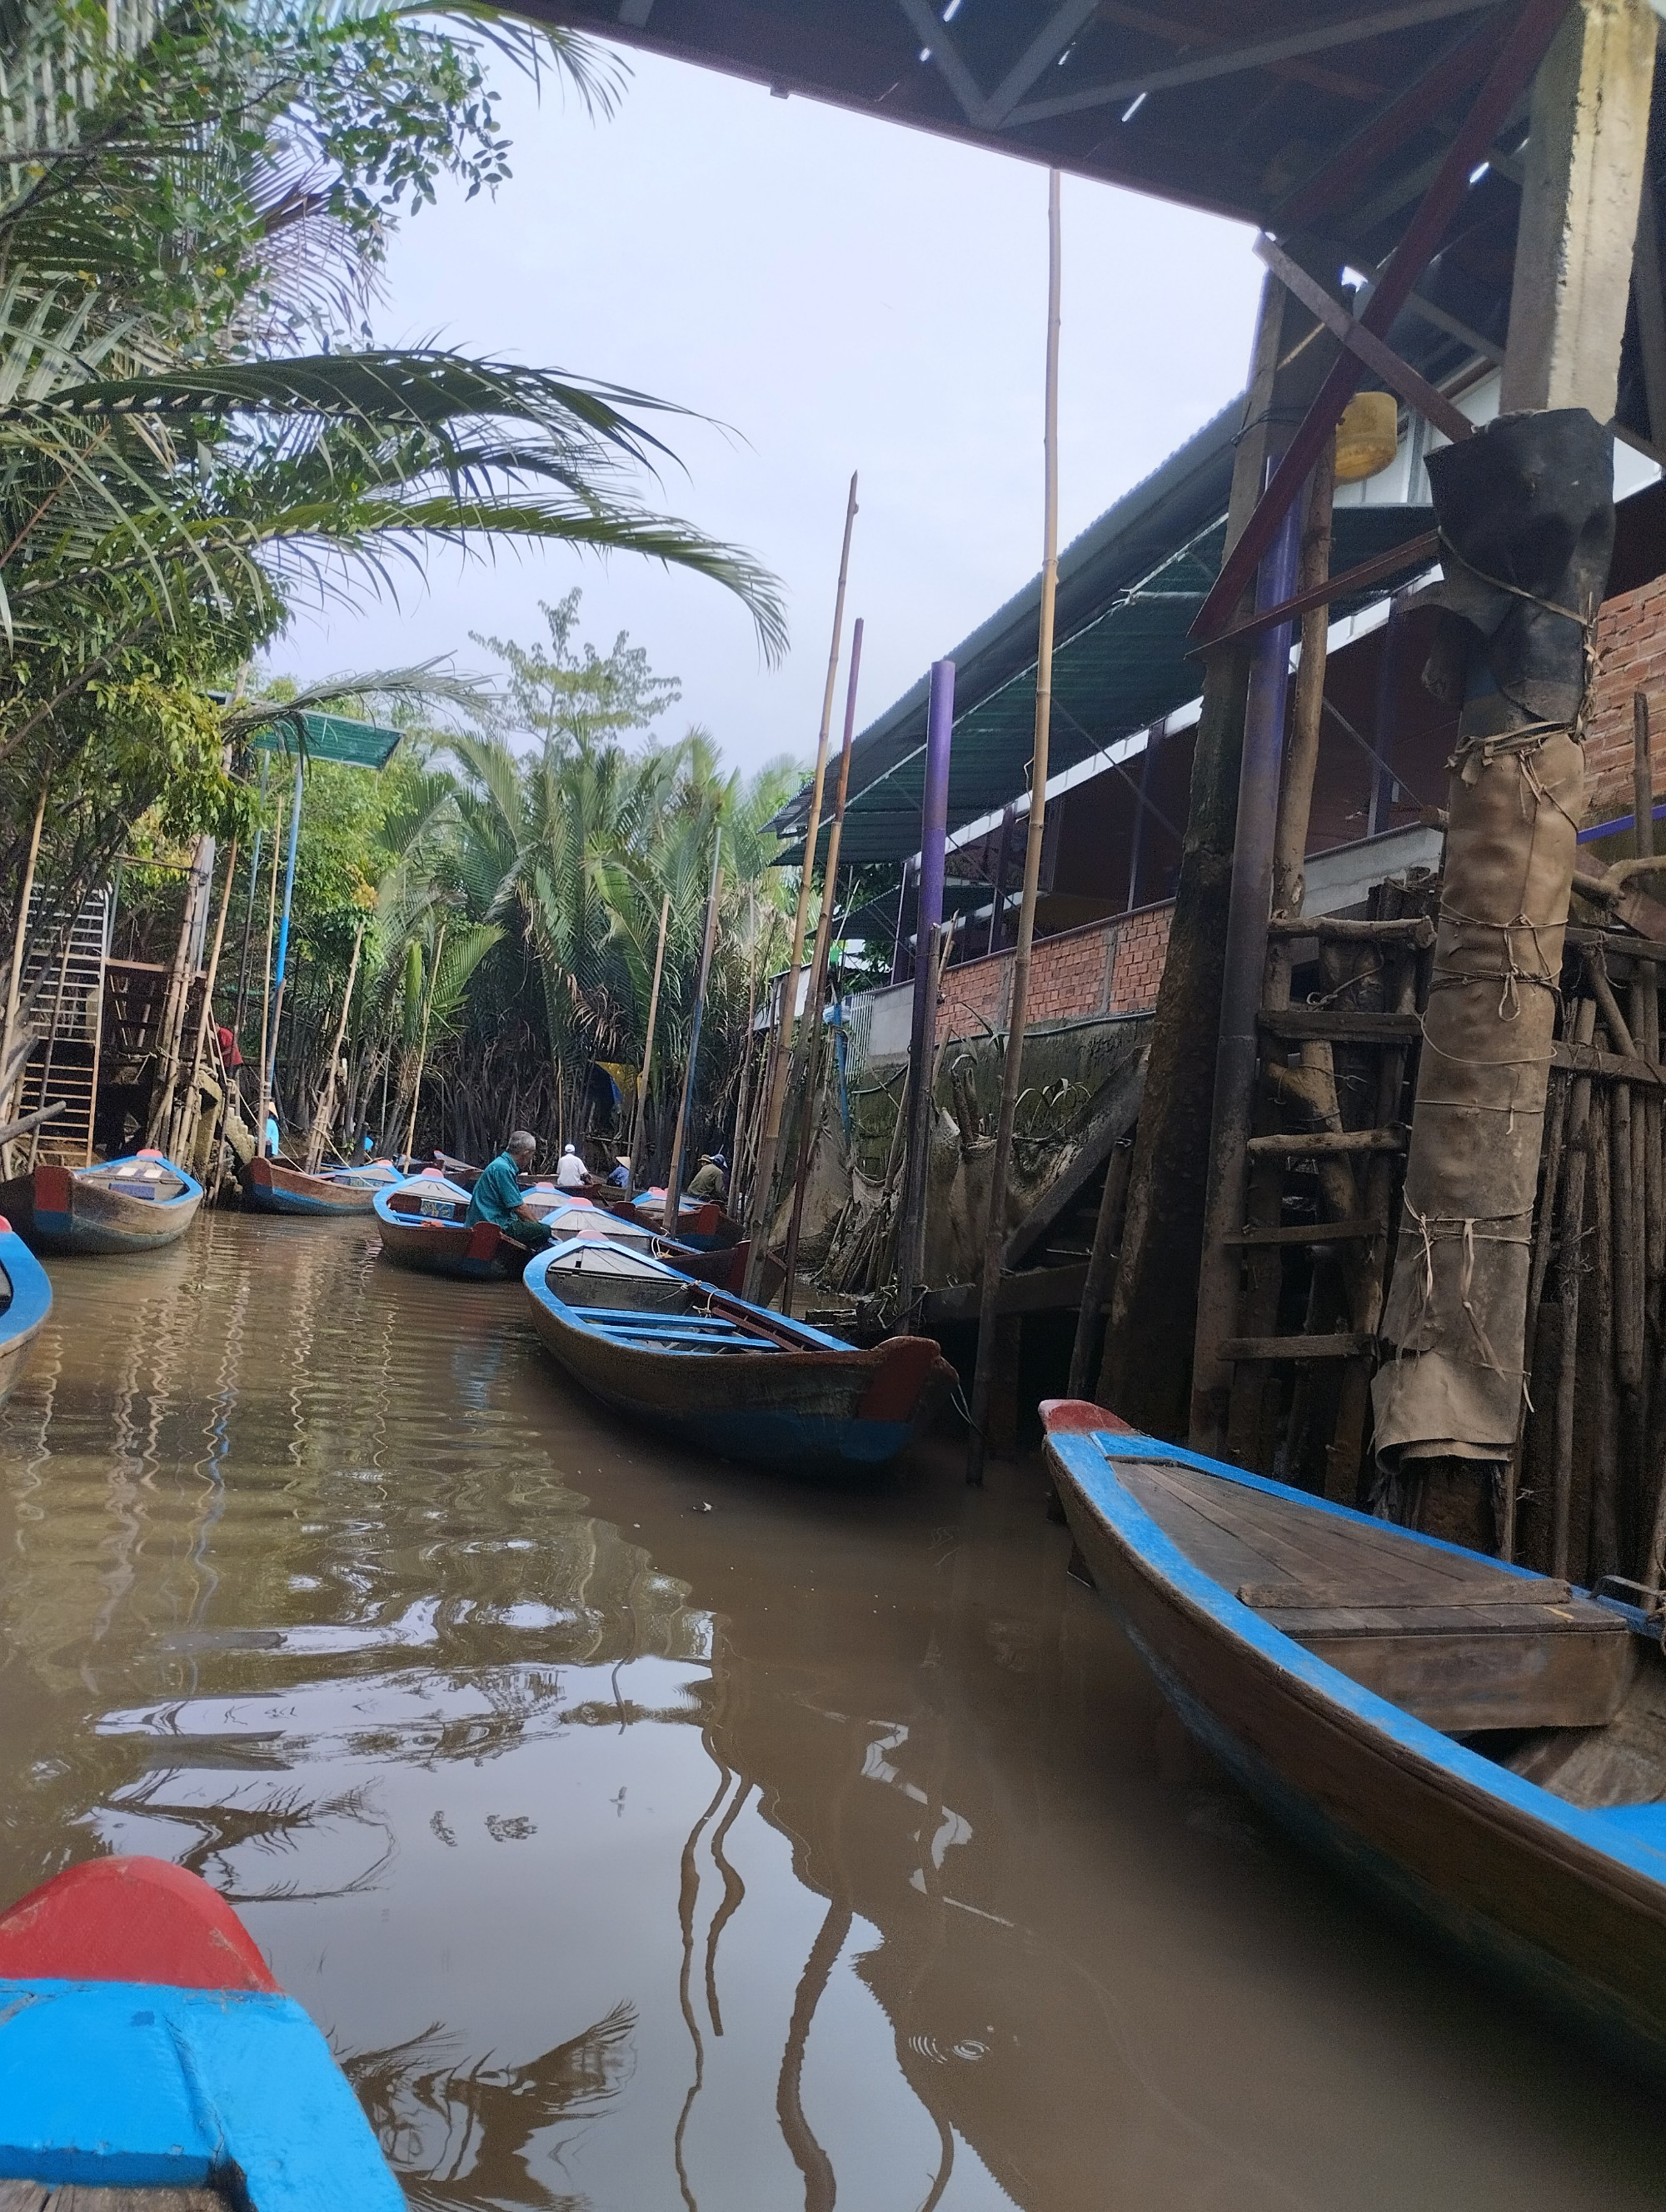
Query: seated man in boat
[[708, 1179], [571, 1173], [497, 1195]]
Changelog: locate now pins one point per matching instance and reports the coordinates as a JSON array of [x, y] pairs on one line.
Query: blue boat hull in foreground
[[1335, 1666], [28, 1300], [144, 2044]]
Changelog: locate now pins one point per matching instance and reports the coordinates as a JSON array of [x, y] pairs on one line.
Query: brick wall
[[1107, 967], [1631, 656]]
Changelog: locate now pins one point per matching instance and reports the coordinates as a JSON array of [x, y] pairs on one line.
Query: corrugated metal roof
[[1129, 588]]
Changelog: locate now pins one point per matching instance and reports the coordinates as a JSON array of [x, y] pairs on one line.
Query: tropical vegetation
[[195, 429]]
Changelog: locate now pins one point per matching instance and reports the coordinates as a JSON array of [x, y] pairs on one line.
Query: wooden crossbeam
[[1416, 553], [1518, 59]]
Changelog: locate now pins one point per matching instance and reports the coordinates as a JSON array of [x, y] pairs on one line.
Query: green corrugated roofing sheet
[[331, 737], [1128, 590]]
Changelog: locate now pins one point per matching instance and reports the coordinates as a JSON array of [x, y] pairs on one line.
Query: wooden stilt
[[639, 1119], [325, 1110], [1573, 1261], [775, 1077], [422, 1048], [261, 1103], [189, 1114], [813, 1026], [680, 1141], [994, 1234]]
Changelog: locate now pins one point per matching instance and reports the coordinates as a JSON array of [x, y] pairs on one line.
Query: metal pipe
[[1248, 910], [933, 840]]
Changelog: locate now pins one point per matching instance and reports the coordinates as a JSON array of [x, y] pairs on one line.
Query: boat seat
[[1463, 1642]]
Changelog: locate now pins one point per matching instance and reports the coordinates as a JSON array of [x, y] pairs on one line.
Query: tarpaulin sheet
[[1526, 513]]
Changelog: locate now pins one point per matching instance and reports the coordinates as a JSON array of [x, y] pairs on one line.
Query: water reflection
[[817, 1849]]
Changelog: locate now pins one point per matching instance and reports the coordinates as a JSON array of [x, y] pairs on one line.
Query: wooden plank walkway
[[1451, 1636], [69, 2197]]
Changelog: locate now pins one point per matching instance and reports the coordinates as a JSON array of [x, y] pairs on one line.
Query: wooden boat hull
[[274, 1186], [479, 1254], [66, 1210], [830, 1407], [1569, 1901], [144, 2045], [27, 1309]]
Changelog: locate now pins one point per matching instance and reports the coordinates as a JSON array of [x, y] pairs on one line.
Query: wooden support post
[[1646, 285], [685, 1108], [182, 1141], [775, 1077], [639, 1119], [422, 1048], [810, 1087], [1101, 1261], [170, 1037], [1571, 1268], [20, 939], [325, 1110], [1011, 1075], [262, 1102]]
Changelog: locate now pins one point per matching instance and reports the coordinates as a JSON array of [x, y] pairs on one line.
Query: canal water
[[648, 1834]]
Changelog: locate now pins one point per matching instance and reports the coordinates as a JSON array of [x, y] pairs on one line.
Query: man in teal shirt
[[497, 1193]]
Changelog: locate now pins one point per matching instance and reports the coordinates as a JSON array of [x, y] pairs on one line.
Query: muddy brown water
[[646, 1833]]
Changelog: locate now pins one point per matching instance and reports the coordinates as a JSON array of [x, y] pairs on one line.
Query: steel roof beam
[[1232, 61]]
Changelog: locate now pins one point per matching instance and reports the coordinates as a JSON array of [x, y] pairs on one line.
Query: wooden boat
[[566, 1214], [424, 1225], [145, 2047], [131, 1205], [712, 1370], [26, 1299], [1485, 1746], [275, 1186], [700, 1221]]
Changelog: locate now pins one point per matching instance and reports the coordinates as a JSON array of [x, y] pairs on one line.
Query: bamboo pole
[[995, 1234], [20, 939], [325, 1112], [748, 1055], [775, 1078], [680, 1141], [261, 1102], [171, 1038], [190, 1114], [639, 1119], [422, 1048], [813, 1023], [1571, 1266]]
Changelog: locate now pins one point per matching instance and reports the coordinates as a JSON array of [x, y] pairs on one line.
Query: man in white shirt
[[570, 1170]]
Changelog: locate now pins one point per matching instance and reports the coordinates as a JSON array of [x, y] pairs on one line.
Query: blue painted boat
[[274, 1186], [26, 1299], [1485, 1746], [134, 1203], [424, 1225], [708, 1369], [144, 2045]]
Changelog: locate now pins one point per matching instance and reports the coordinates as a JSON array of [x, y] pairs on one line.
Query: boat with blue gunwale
[[708, 1369], [135, 1204], [278, 1186], [1485, 1746], [145, 2048], [26, 1299], [424, 1225]]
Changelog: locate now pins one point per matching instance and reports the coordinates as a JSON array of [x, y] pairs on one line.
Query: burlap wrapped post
[[1526, 512]]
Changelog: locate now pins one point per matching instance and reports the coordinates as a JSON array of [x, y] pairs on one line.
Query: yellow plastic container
[[1367, 437]]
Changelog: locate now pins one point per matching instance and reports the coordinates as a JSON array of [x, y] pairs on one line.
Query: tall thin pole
[[281, 975], [927, 972], [639, 1120], [20, 939], [248, 917], [994, 1234], [267, 971], [674, 1174], [814, 1024], [422, 1048], [190, 1114], [325, 1113], [775, 1082]]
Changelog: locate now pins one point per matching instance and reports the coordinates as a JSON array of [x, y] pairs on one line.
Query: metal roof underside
[[1230, 105], [1129, 588]]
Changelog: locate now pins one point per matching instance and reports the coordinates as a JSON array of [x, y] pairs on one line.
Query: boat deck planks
[[69, 2197], [1461, 1641]]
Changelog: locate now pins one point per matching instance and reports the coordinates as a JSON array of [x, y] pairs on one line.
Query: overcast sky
[[844, 293]]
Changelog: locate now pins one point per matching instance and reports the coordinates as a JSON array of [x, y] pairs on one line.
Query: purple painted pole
[[1247, 914], [933, 839]]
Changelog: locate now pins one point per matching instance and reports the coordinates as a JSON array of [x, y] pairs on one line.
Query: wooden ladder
[[67, 1019], [1326, 1168]]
